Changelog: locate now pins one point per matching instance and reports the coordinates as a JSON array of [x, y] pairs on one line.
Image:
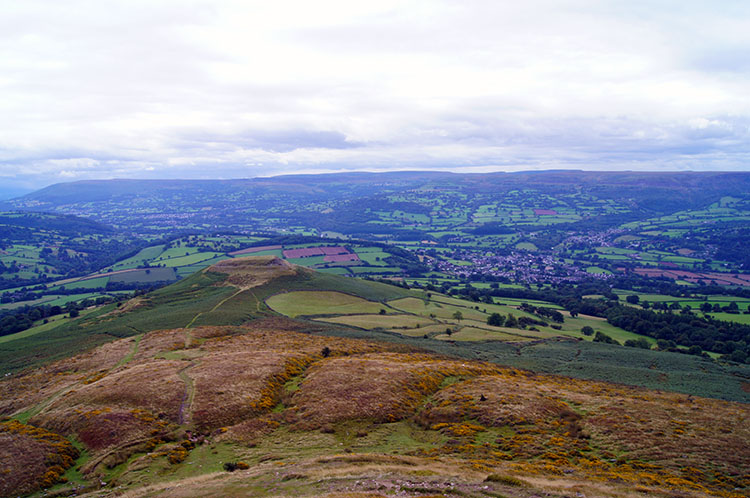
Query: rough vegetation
[[275, 408]]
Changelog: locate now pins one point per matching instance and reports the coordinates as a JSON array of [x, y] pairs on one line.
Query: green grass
[[32, 302], [731, 317], [271, 252], [593, 361], [372, 321], [189, 260], [72, 298], [143, 256], [91, 283], [375, 258], [169, 307], [526, 246], [321, 303], [374, 269], [572, 327], [145, 276], [335, 270], [176, 252], [53, 321], [477, 334]]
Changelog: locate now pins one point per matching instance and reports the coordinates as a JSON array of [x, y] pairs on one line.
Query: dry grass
[[31, 458], [130, 305], [610, 432], [152, 386], [162, 341], [382, 387], [561, 435], [253, 271], [24, 390], [231, 387]]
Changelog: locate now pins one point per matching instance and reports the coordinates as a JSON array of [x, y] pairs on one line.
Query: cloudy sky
[[223, 89]]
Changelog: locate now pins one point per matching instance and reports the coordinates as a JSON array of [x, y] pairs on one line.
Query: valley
[[559, 333]]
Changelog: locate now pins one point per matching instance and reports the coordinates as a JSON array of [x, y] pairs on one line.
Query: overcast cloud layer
[[221, 89]]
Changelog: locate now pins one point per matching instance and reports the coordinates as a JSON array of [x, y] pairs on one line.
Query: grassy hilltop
[[205, 388]]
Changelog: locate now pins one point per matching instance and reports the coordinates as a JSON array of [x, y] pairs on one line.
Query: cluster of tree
[[498, 320], [685, 329], [728, 338], [20, 319], [668, 287], [29, 294], [550, 313], [731, 243], [602, 337], [17, 320], [10, 268]]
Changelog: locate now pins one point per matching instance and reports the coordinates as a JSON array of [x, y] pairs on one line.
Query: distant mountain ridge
[[116, 201], [95, 190]]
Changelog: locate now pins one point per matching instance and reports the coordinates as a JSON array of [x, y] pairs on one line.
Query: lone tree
[[633, 299], [587, 330], [458, 316], [496, 319], [511, 321]]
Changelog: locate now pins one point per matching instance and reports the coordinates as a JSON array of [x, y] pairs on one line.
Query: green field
[[374, 321], [52, 322], [89, 283], [321, 303], [145, 276], [374, 269], [190, 259], [477, 334], [144, 256], [335, 270]]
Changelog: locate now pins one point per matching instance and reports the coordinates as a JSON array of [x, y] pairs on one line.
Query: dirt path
[[128, 357], [24, 417], [184, 416], [213, 309]]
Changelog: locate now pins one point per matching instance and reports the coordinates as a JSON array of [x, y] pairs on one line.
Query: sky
[[224, 89]]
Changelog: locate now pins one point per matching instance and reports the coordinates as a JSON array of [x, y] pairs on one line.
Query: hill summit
[[252, 271]]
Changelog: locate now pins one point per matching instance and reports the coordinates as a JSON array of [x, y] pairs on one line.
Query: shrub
[[601, 337], [640, 343], [507, 480]]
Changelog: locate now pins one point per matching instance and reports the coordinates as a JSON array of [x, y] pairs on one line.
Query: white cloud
[[238, 88]]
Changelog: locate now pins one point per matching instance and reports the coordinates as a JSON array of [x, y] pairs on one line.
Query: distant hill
[[37, 247], [13, 224], [248, 202], [201, 389]]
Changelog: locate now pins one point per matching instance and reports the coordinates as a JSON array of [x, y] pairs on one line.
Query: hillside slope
[[222, 295], [214, 394], [296, 414]]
